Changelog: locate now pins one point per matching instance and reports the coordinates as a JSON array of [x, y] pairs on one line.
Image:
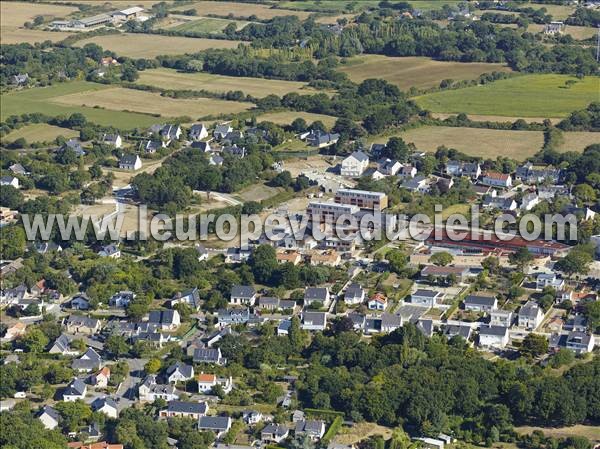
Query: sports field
[[485, 143], [120, 99], [39, 132], [42, 100], [414, 71], [150, 46], [287, 117], [523, 96], [242, 10], [257, 87]]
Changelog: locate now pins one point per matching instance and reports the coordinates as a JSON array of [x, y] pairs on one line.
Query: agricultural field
[[578, 140], [257, 87], [42, 100], [264, 12], [13, 16], [590, 432], [497, 118], [339, 5], [121, 99], [204, 24], [419, 72], [485, 143], [150, 46], [538, 96], [577, 32], [39, 132], [287, 117]]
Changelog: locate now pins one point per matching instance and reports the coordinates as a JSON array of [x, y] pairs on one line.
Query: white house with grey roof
[[49, 417], [219, 425], [531, 315], [130, 162], [184, 409], [317, 294], [167, 320], [106, 405], [242, 295], [477, 303], [209, 355], [179, 372], [314, 321], [75, 390], [426, 297], [503, 318], [314, 429], [578, 342], [198, 132], [114, 140], [150, 390], [355, 164], [274, 433], [493, 337], [354, 294]]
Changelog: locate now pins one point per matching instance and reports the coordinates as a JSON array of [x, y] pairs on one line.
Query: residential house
[[12, 181], [529, 201], [216, 160], [426, 297], [198, 132], [388, 167], [458, 330], [18, 169], [191, 297], [274, 433], [79, 324], [112, 251], [219, 425], [354, 294], [314, 429], [317, 295], [531, 315], [355, 164], [554, 28], [390, 322], [47, 247], [106, 405], [150, 390], [167, 320], [314, 321], [50, 417], [418, 184], [425, 326], [529, 174], [151, 146], [170, 132], [179, 372], [502, 318], [130, 162], [321, 139], [207, 382], [121, 299], [434, 271], [460, 168], [544, 280], [203, 146], [234, 150], [88, 362], [476, 303], [500, 203], [377, 302], [222, 130], [252, 417], [101, 378], [407, 171], [377, 150], [183, 409], [209, 355], [114, 140], [233, 316], [576, 323], [73, 145], [288, 256], [496, 179], [62, 346], [202, 252], [284, 327], [242, 295], [493, 336], [233, 136], [20, 79], [75, 390], [578, 342]]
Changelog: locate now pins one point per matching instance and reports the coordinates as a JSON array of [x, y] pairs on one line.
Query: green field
[[40, 100], [523, 96], [418, 72], [39, 132]]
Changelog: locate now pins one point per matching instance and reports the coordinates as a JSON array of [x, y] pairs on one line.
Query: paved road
[[126, 394]]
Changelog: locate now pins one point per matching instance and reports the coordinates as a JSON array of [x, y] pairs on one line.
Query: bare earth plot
[[485, 143], [39, 132], [419, 72], [243, 10], [287, 117], [257, 87], [121, 99], [14, 14], [150, 46]]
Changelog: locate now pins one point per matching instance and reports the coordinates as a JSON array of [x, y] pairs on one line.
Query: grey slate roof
[[480, 300], [185, 370], [242, 291], [219, 423], [75, 387], [315, 293], [187, 407]]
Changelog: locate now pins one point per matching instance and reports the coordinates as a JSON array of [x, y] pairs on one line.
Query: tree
[[576, 262], [129, 72], [283, 179], [521, 258], [584, 193], [10, 197], [491, 264], [152, 366], [264, 263], [117, 346], [591, 311], [35, 340], [397, 149], [442, 258], [74, 414], [534, 345]]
